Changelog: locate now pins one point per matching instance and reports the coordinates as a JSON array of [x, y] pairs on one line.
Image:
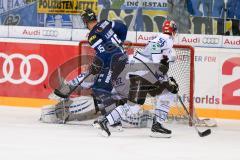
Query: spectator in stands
[[190, 7], [218, 9], [233, 12], [177, 11], [195, 10], [207, 7], [105, 3], [218, 12], [60, 21], [201, 18]]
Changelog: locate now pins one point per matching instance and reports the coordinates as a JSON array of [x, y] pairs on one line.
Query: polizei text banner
[[66, 6]]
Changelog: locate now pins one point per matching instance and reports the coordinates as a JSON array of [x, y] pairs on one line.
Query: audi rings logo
[[209, 40], [25, 68], [50, 33]]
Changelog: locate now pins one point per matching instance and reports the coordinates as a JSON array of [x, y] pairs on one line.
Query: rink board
[[38, 103], [217, 86]]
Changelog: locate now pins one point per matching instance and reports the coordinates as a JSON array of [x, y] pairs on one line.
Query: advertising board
[[29, 70]]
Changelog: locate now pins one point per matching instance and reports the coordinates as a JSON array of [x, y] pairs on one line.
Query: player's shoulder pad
[[99, 31], [92, 38], [102, 25]]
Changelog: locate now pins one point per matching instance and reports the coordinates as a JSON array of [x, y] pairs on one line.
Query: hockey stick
[[201, 134], [62, 95], [64, 100]]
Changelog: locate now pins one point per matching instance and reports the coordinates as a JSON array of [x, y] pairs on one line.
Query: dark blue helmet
[[88, 15]]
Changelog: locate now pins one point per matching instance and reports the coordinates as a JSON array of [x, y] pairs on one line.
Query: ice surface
[[23, 137]]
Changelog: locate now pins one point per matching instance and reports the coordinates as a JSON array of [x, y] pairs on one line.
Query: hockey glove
[[171, 85], [164, 65], [174, 85], [96, 66]]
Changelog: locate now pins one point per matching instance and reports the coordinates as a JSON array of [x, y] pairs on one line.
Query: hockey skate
[[113, 128], [102, 124], [159, 131]]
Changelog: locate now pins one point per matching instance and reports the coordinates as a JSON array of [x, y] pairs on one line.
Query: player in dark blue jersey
[[106, 37]]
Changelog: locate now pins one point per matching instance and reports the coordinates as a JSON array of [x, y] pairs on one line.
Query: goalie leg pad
[[58, 113], [82, 108], [79, 108], [48, 114]]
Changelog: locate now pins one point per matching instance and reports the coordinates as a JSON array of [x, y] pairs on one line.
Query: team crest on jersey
[[92, 38]]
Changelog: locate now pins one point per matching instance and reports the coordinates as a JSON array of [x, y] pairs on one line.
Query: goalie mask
[[169, 27]]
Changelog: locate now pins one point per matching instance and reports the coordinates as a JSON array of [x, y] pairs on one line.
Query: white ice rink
[[23, 137]]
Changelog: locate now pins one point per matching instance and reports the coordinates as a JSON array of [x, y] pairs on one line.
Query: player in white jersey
[[150, 77]]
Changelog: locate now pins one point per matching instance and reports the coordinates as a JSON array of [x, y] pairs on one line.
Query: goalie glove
[[171, 85]]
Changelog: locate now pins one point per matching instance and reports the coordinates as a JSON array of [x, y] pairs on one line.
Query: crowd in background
[[193, 16], [228, 10]]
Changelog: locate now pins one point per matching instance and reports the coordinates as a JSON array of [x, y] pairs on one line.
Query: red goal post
[[182, 70]]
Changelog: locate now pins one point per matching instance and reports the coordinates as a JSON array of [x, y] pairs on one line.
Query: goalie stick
[[201, 134]]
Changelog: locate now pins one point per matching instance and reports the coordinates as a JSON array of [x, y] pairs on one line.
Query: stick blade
[[205, 133], [60, 94]]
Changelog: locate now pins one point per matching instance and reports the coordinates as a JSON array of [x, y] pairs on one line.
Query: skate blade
[[96, 126], [101, 132], [160, 135], [116, 129]]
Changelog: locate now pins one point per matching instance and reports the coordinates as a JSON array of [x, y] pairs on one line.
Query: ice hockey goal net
[[182, 70]]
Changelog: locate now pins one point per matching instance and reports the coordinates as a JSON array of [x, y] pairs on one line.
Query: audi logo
[[209, 40], [24, 68], [50, 33]]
